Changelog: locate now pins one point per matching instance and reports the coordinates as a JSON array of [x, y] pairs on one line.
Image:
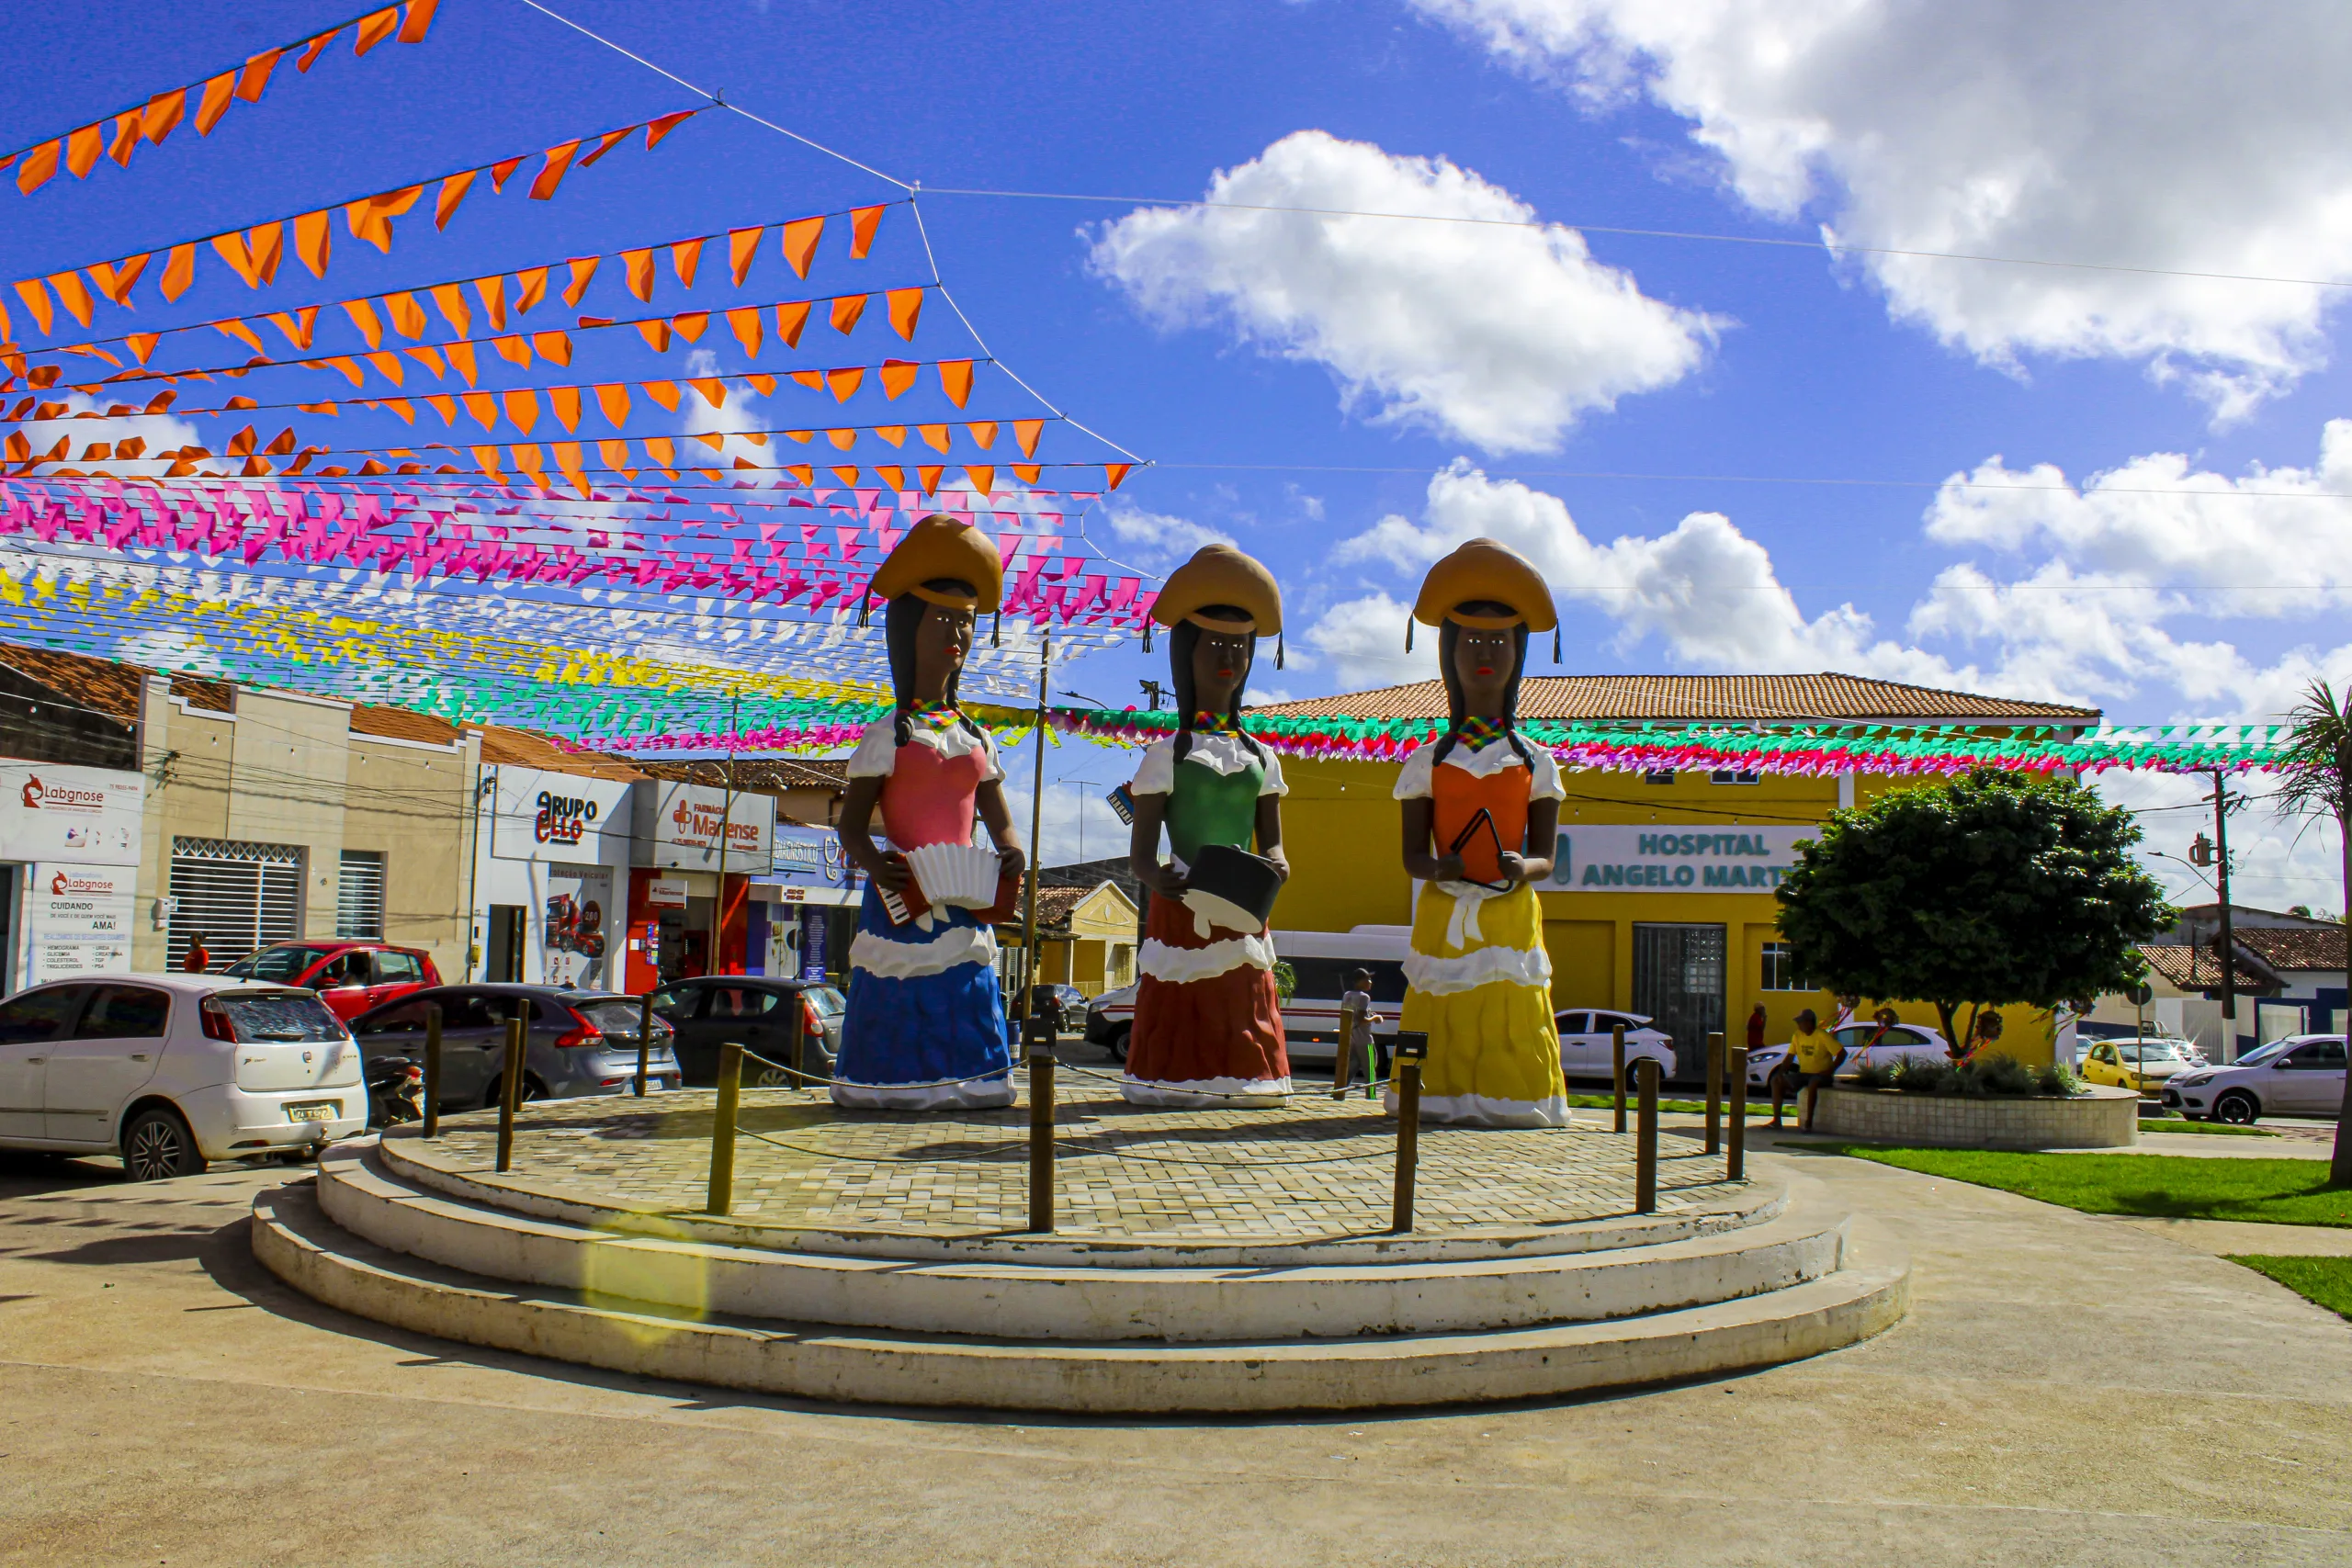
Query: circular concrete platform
[[1201, 1261]]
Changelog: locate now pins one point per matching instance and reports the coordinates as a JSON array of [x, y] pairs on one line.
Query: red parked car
[[350, 976]]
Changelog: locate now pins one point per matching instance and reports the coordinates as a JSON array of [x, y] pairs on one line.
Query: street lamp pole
[[2228, 947]]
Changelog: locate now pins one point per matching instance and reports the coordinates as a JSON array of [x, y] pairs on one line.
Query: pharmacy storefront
[[553, 877], [804, 914], [69, 869]]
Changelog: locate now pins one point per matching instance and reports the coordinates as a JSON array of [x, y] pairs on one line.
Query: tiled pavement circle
[[1315, 1168]]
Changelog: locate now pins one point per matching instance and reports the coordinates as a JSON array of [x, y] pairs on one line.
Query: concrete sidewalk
[[2068, 1391]]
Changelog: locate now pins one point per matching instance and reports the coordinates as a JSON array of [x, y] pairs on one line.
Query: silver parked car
[[577, 1042], [2299, 1075]]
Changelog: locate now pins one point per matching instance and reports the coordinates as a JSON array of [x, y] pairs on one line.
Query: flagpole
[[1036, 807]]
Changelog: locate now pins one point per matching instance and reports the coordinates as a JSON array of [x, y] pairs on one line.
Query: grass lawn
[[2271, 1192], [2327, 1281], [2219, 1129], [1687, 1107]]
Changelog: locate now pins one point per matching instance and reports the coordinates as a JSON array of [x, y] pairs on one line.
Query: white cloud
[[1362, 641], [2274, 535], [2172, 134], [1498, 335], [1157, 542], [1706, 590]]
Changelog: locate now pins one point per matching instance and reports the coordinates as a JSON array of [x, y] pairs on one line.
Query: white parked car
[[172, 1070], [1587, 1036], [2299, 1075], [1866, 1044]]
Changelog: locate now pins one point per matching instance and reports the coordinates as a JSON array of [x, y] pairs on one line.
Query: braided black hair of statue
[[1182, 639], [901, 618], [1449, 633]]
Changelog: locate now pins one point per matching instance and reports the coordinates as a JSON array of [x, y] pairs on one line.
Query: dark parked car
[[578, 1043], [1066, 1005], [755, 1012]]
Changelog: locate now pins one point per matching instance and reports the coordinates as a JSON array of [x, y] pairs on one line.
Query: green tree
[[1995, 889], [2315, 775]]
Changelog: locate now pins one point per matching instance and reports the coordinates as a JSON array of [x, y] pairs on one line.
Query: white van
[[1321, 961]]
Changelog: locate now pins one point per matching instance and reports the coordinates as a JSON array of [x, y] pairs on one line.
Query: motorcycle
[[395, 1091]]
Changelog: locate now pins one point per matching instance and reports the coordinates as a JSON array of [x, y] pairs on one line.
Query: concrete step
[[295, 1240], [1308, 1298], [441, 1168]]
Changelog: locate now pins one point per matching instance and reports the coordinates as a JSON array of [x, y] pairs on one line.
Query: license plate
[[316, 1110]]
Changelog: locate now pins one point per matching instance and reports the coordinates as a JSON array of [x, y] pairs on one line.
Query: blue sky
[[1346, 397]]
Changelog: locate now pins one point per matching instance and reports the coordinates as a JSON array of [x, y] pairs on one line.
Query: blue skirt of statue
[[923, 1006]]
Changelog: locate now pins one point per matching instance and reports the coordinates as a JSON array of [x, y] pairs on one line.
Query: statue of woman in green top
[[1208, 1028]]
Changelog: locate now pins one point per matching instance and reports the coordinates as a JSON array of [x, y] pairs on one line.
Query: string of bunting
[[118, 135], [403, 309], [254, 254]]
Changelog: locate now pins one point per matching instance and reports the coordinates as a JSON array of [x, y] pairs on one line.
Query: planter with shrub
[[1988, 1103]]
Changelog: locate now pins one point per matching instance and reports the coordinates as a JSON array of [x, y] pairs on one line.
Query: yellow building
[[1086, 937], [1662, 900]]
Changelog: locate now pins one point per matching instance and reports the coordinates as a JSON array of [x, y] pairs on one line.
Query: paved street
[[164, 1400]]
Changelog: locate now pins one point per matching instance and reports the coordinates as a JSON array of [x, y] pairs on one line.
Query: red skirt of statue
[[1209, 1018]]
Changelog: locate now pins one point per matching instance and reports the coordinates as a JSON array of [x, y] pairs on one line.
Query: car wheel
[[771, 1077], [1118, 1044], [157, 1146], [2237, 1106]]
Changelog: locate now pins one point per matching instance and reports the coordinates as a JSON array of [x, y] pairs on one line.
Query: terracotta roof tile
[[2286, 947], [111, 688], [761, 774], [1779, 698], [524, 749], [402, 724]]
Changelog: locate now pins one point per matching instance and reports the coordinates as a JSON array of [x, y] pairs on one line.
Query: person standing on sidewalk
[[1356, 1018], [199, 957], [1813, 1058], [1756, 1027]]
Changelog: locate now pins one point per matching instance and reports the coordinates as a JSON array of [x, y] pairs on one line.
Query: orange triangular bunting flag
[[39, 166], [553, 347], [583, 268], [655, 130], [162, 115], [613, 399], [746, 326], [800, 238], [313, 241], [318, 47], [656, 333], [551, 173], [82, 150], [898, 375], [420, 19], [376, 27], [218, 93], [231, 249], [847, 310], [983, 434], [845, 381], [691, 325], [513, 349], [180, 272], [906, 307], [686, 257], [742, 244], [254, 75], [862, 224], [955, 381], [114, 279], [983, 478], [1025, 432], [605, 143], [662, 392], [640, 272], [453, 191], [408, 316], [789, 319], [1113, 473], [929, 477], [713, 391]]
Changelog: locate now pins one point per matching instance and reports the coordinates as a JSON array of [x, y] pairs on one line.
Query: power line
[[1827, 246]]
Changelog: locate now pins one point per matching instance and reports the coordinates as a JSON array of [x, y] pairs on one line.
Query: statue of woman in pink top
[[925, 1028]]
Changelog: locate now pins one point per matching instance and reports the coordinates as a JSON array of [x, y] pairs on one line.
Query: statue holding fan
[[1208, 1027], [924, 1006], [1481, 812]]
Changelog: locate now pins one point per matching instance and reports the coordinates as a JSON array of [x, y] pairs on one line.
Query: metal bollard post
[[1645, 1140], [722, 1129], [800, 1037], [510, 1092], [1715, 1091], [1617, 1070], [1041, 1138], [644, 1040], [1412, 1048], [1735, 1159], [432, 1070]]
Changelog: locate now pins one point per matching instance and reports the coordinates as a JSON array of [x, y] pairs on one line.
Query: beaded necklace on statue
[[939, 716], [1214, 723], [1479, 731]]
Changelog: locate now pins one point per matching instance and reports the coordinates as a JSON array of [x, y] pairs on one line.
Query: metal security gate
[[240, 897], [1678, 981]]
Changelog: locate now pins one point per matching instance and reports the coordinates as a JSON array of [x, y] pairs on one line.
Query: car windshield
[[276, 963], [295, 1017], [2255, 1058], [826, 1000]]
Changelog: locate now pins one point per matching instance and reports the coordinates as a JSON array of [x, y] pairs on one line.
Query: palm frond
[[2315, 771]]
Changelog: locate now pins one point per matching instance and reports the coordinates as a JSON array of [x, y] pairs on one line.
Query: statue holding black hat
[[1208, 1027]]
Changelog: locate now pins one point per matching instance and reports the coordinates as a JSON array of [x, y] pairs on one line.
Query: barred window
[[360, 896], [1779, 970]]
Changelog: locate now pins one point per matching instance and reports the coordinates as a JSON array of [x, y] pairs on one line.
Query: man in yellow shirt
[[1814, 1060]]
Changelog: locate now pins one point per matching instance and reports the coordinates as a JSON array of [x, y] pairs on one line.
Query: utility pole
[[2228, 947], [725, 824], [1036, 857]]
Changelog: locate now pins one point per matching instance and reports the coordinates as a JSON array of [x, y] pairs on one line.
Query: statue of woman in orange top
[[1482, 808]]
